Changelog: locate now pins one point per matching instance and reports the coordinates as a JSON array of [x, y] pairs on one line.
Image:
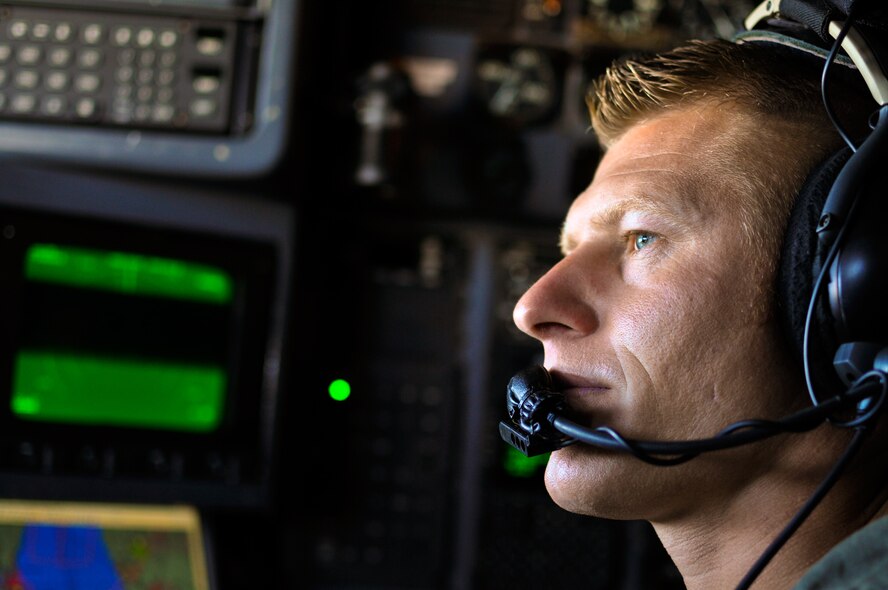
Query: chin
[[597, 483], [574, 479]]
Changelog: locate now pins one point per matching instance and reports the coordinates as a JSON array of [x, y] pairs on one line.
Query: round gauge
[[518, 84], [627, 16]]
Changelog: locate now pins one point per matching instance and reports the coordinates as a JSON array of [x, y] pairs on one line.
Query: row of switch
[[89, 58], [122, 111], [95, 34], [52, 105], [91, 461]]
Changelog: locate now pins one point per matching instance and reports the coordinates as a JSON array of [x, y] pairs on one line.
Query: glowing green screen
[[95, 390], [127, 273], [80, 386]]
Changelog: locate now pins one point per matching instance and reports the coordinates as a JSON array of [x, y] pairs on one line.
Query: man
[[661, 319]]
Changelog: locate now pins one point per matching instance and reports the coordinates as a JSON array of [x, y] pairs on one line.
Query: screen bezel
[[252, 265]]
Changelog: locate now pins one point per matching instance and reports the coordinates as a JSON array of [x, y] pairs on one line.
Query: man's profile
[[662, 319]]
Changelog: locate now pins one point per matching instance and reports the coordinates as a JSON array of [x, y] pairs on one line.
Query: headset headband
[[826, 19]]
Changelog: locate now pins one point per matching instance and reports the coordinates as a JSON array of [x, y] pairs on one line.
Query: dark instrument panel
[[469, 139]]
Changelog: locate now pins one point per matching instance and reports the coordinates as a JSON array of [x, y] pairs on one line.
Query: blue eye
[[642, 240]]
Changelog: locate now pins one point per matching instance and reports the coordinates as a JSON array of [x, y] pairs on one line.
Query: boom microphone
[[539, 421]]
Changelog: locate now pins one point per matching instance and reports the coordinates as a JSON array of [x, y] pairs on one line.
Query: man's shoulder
[[860, 562]]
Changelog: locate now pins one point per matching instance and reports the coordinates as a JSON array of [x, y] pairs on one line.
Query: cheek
[[678, 347], [672, 323]]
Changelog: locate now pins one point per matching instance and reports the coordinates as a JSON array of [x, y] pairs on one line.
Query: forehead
[[678, 163]]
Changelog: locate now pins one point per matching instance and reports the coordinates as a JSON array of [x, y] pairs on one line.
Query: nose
[[561, 303]]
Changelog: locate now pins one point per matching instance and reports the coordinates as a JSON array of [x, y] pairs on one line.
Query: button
[[177, 465], [167, 38], [158, 462], [56, 81], [125, 73], [18, 29], [109, 462], [142, 112], [167, 59], [145, 94], [145, 76], [59, 57], [122, 111], [40, 31], [126, 57], [123, 91], [165, 77], [87, 459], [163, 113], [63, 32], [145, 37], [90, 58], [86, 107], [26, 79], [210, 46], [87, 83], [164, 95], [122, 36], [92, 33], [27, 453], [5, 52], [203, 107], [206, 84], [47, 459], [53, 106], [23, 103], [147, 58], [29, 55]]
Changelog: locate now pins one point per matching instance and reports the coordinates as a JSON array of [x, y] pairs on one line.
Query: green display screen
[[115, 338], [57, 387], [127, 273]]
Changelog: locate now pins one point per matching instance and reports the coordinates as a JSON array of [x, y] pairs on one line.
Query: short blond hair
[[766, 81]]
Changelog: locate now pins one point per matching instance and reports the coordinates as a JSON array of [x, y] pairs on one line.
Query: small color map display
[[56, 546]]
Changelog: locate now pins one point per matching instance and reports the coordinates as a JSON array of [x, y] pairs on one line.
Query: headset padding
[[800, 264]]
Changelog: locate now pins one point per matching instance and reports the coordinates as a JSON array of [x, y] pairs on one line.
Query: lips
[[584, 395], [568, 382]]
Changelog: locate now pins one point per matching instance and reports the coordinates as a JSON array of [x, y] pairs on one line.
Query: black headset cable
[[803, 513]]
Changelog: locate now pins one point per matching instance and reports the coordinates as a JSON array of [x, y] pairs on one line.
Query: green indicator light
[[78, 389], [124, 272], [339, 390], [517, 465]]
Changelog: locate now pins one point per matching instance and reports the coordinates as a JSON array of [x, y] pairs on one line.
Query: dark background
[[413, 294]]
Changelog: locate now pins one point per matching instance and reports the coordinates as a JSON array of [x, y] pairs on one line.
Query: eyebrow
[[679, 212]]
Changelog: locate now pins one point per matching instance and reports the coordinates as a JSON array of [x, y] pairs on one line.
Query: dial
[[518, 84], [625, 16]]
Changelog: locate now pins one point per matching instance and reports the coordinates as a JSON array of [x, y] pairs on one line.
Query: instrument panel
[[176, 88], [70, 67]]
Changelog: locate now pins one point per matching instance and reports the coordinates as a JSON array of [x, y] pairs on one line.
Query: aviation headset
[[832, 279]]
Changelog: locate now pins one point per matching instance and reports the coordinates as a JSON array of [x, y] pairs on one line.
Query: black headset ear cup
[[800, 264]]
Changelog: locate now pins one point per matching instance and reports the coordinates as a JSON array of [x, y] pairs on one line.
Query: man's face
[[652, 323]]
